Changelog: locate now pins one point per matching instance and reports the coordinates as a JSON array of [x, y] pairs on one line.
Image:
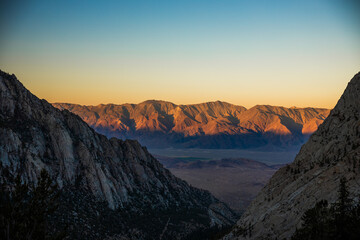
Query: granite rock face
[[97, 175], [332, 152]]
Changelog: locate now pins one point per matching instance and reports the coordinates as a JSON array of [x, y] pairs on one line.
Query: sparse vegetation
[[340, 220], [24, 209], [243, 231]]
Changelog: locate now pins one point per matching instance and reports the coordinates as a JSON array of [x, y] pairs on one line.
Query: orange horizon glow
[[244, 93], [280, 53], [93, 95]]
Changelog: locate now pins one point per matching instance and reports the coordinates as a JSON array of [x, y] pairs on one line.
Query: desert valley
[[184, 137], [112, 178], [179, 120]]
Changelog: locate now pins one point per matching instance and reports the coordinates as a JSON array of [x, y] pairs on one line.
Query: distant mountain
[[331, 153], [110, 189], [207, 125], [235, 181]]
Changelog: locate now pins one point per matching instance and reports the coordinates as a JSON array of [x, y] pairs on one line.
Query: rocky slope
[[109, 188], [207, 125], [332, 152]]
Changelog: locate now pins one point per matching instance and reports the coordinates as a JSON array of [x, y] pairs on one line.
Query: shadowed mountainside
[[110, 189], [207, 125], [332, 153]]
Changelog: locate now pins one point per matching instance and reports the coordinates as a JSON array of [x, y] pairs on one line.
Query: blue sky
[[244, 52]]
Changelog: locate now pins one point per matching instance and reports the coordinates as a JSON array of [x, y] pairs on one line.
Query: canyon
[[109, 188]]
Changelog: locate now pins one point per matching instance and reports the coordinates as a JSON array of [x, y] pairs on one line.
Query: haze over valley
[[235, 181], [226, 149], [180, 120]]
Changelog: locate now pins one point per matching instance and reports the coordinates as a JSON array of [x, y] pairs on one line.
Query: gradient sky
[[288, 53]]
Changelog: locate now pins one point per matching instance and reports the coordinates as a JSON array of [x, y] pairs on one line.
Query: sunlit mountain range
[[207, 125]]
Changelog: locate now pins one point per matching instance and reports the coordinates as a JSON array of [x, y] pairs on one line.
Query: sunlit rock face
[[207, 125], [115, 188], [331, 153]]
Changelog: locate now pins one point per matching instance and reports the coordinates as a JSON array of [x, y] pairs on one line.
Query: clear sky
[[289, 53]]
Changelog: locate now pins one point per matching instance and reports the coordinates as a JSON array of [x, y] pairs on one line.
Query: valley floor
[[268, 156], [233, 176]]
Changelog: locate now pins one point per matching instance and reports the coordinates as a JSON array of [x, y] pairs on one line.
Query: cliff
[[109, 188]]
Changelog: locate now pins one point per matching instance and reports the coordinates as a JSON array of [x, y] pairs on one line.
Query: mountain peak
[[152, 101], [107, 183], [351, 97], [332, 152]]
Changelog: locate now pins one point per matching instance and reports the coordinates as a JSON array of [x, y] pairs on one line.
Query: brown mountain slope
[[332, 152], [208, 125]]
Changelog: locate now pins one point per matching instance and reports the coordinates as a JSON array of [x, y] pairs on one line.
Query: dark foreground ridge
[[331, 154], [109, 189]]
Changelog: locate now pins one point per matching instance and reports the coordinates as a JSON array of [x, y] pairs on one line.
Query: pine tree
[[315, 223], [342, 212], [341, 221], [24, 209]]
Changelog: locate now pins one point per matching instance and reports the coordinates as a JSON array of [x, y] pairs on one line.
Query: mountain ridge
[[190, 104], [115, 188], [205, 125], [331, 153]]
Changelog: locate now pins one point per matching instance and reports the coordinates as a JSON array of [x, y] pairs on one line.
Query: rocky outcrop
[[207, 125], [331, 153], [109, 188]]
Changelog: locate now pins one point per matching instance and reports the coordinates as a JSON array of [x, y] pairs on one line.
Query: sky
[[283, 53]]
